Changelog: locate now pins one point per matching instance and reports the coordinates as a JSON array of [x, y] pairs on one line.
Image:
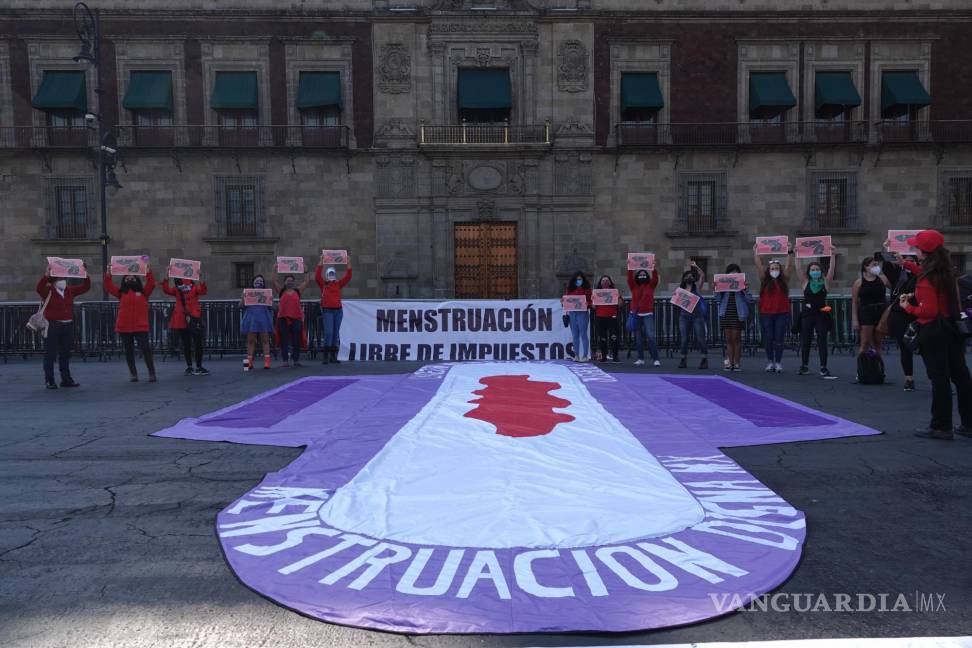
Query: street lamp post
[[88, 26]]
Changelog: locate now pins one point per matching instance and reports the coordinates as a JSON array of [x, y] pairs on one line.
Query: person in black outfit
[[902, 282], [869, 296], [815, 314]]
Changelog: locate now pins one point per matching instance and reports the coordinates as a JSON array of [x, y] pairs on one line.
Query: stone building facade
[[433, 201]]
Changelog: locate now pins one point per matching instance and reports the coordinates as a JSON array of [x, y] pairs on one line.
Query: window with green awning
[[319, 90], [835, 93], [485, 89], [641, 90], [149, 90], [62, 90], [769, 95], [234, 91], [902, 92]]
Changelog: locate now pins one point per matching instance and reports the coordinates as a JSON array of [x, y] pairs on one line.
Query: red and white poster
[[290, 265], [69, 268], [184, 269], [729, 282], [129, 265], [685, 300], [574, 302], [339, 257], [641, 261], [769, 245], [257, 297], [605, 297], [898, 241], [810, 247]]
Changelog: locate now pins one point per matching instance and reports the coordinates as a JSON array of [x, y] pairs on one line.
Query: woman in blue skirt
[[257, 320]]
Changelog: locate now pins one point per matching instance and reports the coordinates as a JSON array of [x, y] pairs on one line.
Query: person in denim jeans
[[643, 308], [580, 321], [332, 311], [692, 278], [774, 306]]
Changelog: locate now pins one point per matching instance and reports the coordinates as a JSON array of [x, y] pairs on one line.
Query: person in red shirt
[[580, 321], [331, 311], [606, 324], [59, 337], [643, 308], [290, 318], [132, 323], [935, 305], [774, 306], [187, 321]]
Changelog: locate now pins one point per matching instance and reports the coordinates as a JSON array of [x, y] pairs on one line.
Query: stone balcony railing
[[501, 134]]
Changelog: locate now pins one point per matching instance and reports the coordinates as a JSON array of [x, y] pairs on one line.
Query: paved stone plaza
[[107, 535]]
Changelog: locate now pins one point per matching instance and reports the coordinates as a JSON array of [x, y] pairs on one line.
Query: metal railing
[[466, 134], [43, 137], [740, 134], [95, 337], [912, 132]]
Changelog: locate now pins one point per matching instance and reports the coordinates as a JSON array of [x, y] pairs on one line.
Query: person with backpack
[[696, 321], [935, 305], [132, 322], [606, 324], [580, 321], [895, 318], [58, 310], [290, 318], [735, 308], [332, 313], [641, 313], [814, 317], [186, 320], [257, 321], [868, 301], [774, 306]]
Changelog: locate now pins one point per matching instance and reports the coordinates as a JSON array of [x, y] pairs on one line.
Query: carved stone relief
[[572, 66], [394, 69]]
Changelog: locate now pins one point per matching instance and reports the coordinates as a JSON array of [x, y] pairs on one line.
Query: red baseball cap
[[927, 240]]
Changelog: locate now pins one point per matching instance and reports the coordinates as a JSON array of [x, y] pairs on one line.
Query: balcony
[[256, 137], [43, 137], [754, 134], [921, 132], [472, 135]]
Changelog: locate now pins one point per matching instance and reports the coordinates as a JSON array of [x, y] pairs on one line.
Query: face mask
[[185, 287], [579, 282], [688, 279], [775, 274], [875, 270], [641, 279], [60, 285], [258, 283], [815, 274], [289, 283]]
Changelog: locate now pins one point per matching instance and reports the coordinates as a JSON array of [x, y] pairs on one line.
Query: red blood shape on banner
[[518, 406]]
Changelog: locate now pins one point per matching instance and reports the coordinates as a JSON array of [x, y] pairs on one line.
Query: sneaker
[[934, 434], [609, 358], [656, 363], [726, 364], [152, 378], [736, 368], [909, 385], [804, 370], [50, 384], [683, 363], [70, 382], [964, 431], [200, 371], [134, 378], [779, 367], [189, 371], [824, 372], [771, 367], [639, 363], [704, 363]]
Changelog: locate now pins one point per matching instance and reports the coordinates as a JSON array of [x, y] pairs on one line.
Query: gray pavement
[[106, 534]]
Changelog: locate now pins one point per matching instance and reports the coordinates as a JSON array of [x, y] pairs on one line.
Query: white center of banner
[[512, 455]]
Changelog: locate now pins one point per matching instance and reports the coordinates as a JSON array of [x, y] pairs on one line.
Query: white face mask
[[60, 285], [875, 270], [775, 274]]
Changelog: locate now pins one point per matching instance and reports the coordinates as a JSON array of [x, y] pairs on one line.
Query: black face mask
[[641, 279]]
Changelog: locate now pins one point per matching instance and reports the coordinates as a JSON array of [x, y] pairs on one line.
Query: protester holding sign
[[734, 311], [606, 321], [642, 312], [290, 318], [58, 309], [692, 278], [935, 305], [774, 306], [132, 323], [814, 317], [331, 311], [257, 321], [580, 320], [186, 320], [868, 301]]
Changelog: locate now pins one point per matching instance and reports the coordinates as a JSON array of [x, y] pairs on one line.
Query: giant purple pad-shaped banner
[[512, 497]]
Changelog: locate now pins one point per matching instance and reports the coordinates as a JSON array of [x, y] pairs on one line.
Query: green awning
[[640, 90], [234, 91], [769, 91], [486, 88], [899, 90], [60, 90], [319, 90], [149, 91], [836, 89]]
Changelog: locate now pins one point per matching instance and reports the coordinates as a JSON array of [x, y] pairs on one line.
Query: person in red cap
[[935, 305]]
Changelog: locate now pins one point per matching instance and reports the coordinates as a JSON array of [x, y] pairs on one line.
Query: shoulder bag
[[38, 322]]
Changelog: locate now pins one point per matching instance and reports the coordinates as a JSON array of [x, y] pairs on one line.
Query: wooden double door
[[485, 265]]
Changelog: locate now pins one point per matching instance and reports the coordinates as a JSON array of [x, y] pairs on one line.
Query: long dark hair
[[125, 286], [283, 287], [937, 268], [689, 277], [733, 268], [780, 281], [610, 281], [572, 283]]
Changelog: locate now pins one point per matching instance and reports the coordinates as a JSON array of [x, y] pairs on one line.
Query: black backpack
[[870, 369]]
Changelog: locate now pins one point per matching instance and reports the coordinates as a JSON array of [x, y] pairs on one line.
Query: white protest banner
[[518, 329]]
